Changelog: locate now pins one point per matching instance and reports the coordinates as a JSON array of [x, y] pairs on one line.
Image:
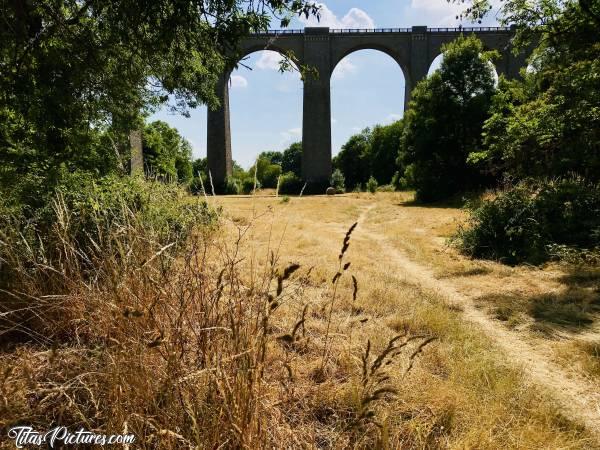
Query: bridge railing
[[467, 29], [370, 30], [277, 32], [385, 30]]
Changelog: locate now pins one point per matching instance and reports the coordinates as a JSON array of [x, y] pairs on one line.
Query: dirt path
[[578, 397]]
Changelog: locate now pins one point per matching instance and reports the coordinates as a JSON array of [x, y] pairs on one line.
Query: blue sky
[[367, 87]]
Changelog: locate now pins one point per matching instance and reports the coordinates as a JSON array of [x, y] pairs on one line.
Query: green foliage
[[444, 121], [78, 76], [528, 222], [549, 124], [354, 158], [385, 143], [290, 184], [85, 212], [399, 182], [338, 181], [200, 166], [166, 153], [248, 185], [271, 175], [370, 153], [273, 157], [233, 186], [266, 172], [292, 159], [372, 185]]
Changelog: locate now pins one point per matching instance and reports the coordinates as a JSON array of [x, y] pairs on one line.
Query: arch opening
[[265, 108], [367, 89], [436, 63]]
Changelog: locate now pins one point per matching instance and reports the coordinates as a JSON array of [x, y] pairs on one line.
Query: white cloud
[[438, 13], [333, 120], [394, 117], [269, 60], [442, 14], [355, 18], [238, 81], [436, 6], [344, 67], [293, 134]]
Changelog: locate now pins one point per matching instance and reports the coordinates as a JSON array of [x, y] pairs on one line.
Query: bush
[[372, 185], [270, 176], [85, 210], [399, 182], [528, 222], [248, 184], [197, 183], [91, 229], [290, 184], [337, 181], [232, 186]]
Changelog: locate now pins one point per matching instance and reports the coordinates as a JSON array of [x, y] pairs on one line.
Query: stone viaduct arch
[[414, 49]]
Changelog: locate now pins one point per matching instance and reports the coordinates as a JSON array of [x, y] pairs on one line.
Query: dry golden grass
[[556, 301], [388, 303], [251, 340]]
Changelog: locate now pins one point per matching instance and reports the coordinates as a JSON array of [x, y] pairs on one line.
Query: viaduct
[[414, 49]]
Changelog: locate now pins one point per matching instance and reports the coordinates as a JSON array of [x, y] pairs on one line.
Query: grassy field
[[319, 322], [467, 390]]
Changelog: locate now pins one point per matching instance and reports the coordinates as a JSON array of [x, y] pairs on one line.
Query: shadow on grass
[[457, 201], [583, 276], [574, 309]]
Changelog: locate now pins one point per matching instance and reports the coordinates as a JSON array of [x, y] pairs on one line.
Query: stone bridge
[[414, 49]]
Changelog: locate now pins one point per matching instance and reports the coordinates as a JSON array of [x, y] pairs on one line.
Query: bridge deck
[[362, 31]]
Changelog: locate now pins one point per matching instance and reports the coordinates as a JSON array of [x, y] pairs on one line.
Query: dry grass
[[250, 339], [554, 301]]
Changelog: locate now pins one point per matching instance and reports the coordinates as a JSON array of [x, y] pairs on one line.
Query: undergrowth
[[535, 221], [123, 311]]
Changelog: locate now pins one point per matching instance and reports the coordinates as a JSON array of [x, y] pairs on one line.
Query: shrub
[[270, 176], [337, 180], [372, 185], [248, 184], [197, 183], [232, 186], [91, 229], [399, 182], [290, 184], [528, 222]]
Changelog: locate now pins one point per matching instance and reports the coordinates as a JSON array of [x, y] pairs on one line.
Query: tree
[[354, 159], [266, 173], [76, 75], [200, 166], [166, 153], [292, 159], [385, 143], [273, 157], [548, 124], [338, 181], [444, 122]]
